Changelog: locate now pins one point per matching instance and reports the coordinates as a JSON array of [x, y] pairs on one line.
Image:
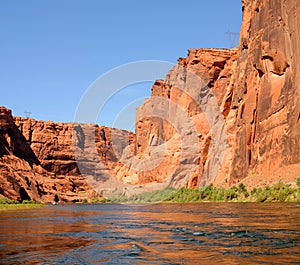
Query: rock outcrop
[[38, 159], [180, 128], [263, 122], [241, 106]]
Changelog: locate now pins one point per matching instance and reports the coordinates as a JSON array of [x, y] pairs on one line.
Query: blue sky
[[51, 51]]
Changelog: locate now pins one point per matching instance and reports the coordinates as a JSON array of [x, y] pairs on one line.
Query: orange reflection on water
[[197, 233]]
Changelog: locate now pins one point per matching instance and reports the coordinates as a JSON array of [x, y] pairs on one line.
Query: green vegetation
[[8, 201], [298, 183], [277, 193], [7, 204], [280, 192], [99, 200], [147, 197], [85, 200], [93, 200]]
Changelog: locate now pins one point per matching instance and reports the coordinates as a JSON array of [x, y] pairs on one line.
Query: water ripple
[[154, 234]]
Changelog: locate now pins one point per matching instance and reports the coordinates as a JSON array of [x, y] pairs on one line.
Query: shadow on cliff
[[4, 148], [13, 142]]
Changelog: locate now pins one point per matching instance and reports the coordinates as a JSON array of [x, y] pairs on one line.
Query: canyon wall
[[184, 115], [38, 162], [219, 116], [263, 121], [242, 104]]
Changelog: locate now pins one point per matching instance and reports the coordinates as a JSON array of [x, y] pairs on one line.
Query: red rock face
[[24, 172], [251, 93], [38, 161], [187, 105], [219, 116], [6, 120], [263, 120]]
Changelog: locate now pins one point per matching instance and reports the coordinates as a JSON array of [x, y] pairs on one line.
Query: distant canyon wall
[[38, 162]]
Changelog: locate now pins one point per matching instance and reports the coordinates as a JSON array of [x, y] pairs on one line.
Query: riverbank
[[279, 192], [7, 204]]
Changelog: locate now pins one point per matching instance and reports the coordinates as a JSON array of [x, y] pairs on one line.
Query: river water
[[198, 233]]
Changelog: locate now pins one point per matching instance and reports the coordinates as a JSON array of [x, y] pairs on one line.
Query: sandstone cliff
[[180, 129], [37, 158], [241, 107], [219, 116], [263, 122]]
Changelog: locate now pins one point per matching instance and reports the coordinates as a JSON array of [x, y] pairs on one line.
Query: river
[[198, 233]]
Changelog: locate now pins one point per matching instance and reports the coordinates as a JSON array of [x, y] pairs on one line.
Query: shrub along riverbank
[[7, 204], [279, 192]]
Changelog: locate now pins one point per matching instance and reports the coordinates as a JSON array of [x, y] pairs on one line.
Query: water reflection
[[207, 233]]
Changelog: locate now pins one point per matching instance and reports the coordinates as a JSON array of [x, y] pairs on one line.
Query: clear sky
[[51, 51]]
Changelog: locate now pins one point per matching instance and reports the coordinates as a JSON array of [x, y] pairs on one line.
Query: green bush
[[146, 197], [242, 190], [8, 201], [28, 202], [280, 192], [85, 200], [246, 194], [298, 182], [242, 187], [231, 193], [253, 192], [95, 200]]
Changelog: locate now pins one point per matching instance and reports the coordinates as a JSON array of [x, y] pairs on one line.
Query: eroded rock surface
[[263, 122], [242, 104], [219, 116], [42, 160]]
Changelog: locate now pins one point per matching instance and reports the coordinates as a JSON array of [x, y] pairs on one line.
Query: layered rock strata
[[219, 116], [38, 159], [242, 104]]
